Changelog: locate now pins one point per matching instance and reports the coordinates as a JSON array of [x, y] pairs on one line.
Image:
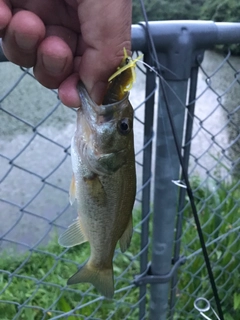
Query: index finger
[[5, 16]]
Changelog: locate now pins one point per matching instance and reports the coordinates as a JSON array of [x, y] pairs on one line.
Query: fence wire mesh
[[35, 173], [36, 130], [214, 173]]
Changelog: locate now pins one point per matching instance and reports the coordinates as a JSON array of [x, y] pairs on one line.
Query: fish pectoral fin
[[101, 279], [125, 239], [72, 236], [72, 190], [96, 189]]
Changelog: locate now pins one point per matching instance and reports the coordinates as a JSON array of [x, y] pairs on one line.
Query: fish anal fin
[[125, 239], [72, 236], [72, 190], [101, 279]]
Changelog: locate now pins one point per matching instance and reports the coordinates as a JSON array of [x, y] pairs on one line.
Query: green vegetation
[[39, 279], [218, 206], [168, 10], [228, 10], [219, 11], [36, 281]]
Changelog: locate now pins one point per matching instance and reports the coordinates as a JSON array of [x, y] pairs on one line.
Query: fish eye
[[124, 126], [127, 60]]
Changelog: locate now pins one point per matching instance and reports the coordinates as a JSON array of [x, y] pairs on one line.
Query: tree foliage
[[228, 10], [168, 10], [216, 10]]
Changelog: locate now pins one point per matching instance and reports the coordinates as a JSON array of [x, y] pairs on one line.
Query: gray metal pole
[[146, 180], [182, 193], [210, 33], [167, 168]]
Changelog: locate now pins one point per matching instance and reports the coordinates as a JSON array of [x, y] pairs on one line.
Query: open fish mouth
[[101, 110]]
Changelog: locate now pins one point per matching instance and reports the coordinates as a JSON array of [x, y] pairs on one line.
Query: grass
[[219, 212], [33, 285]]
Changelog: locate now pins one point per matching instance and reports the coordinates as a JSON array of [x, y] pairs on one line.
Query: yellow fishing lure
[[127, 64]]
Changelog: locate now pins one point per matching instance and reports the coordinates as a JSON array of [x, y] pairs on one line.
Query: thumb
[[95, 75], [105, 31]]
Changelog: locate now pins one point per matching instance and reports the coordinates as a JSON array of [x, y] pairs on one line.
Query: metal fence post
[[176, 54], [182, 193], [176, 68], [165, 195], [147, 178]]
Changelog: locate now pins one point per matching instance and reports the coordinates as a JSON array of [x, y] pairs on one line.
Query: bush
[[168, 10], [221, 10], [228, 10]]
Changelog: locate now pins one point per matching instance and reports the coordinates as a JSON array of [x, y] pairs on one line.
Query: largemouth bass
[[104, 184]]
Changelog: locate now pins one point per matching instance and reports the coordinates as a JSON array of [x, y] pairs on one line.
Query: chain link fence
[[213, 170], [35, 172]]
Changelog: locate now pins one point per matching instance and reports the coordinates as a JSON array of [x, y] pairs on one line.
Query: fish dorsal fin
[[125, 239], [72, 236], [72, 190]]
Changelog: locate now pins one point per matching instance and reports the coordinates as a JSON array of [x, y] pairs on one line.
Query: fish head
[[106, 131]]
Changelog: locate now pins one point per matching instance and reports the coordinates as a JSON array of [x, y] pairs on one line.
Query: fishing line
[[184, 172], [177, 97], [162, 67], [163, 122], [163, 125]]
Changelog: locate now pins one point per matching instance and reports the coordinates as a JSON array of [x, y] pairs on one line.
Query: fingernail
[[54, 66], [26, 42]]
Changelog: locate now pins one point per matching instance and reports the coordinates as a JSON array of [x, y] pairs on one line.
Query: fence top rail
[[201, 34], [166, 34]]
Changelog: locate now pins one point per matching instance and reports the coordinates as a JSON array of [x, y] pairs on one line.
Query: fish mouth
[[100, 110], [91, 116]]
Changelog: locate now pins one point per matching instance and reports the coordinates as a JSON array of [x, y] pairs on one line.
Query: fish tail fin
[[101, 279]]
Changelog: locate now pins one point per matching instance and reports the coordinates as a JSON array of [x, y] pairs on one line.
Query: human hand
[[67, 40]]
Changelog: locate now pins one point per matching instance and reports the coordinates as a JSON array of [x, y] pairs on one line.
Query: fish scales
[[105, 206], [105, 213], [104, 184]]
